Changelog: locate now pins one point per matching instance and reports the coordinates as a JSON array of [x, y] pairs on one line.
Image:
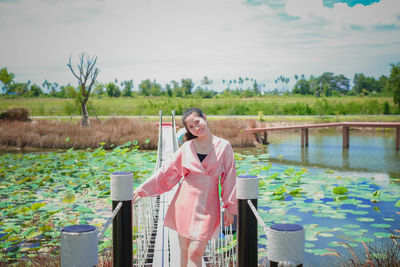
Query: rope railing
[[221, 251], [258, 217], [146, 215], [159, 149], [285, 242], [108, 222], [174, 139], [146, 212]]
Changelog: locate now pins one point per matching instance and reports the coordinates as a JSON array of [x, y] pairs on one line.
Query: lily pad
[[360, 212], [365, 219], [382, 234], [326, 234], [340, 190], [364, 239], [380, 225]]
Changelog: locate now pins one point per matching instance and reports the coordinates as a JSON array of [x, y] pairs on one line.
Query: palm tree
[[206, 81]]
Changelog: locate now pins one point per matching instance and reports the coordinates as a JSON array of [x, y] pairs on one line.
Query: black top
[[201, 156]]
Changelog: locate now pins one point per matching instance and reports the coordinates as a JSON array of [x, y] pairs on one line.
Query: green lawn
[[270, 105]]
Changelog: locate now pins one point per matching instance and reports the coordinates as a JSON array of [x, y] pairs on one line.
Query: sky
[[221, 39]]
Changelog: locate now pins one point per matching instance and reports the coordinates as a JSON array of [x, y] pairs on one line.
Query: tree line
[[327, 84]]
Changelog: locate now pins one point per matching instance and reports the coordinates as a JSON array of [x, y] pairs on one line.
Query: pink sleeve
[[228, 181], [164, 179]]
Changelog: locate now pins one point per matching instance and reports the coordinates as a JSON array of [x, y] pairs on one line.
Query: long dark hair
[[188, 134]]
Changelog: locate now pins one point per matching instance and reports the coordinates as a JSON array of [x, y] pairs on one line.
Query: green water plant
[[42, 192]]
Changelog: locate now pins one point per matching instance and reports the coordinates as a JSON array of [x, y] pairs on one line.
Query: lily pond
[[41, 192]]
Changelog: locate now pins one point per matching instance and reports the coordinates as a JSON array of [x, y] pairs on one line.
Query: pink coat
[[195, 209]]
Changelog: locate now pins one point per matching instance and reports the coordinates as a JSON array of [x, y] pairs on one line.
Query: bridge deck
[[319, 125]]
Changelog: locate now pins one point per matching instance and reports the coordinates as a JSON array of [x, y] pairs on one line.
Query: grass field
[[270, 105]]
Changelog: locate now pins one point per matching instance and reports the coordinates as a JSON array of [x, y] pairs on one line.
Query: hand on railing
[[135, 196], [228, 218]]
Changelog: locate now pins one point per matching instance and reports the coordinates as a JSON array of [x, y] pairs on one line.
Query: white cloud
[[385, 12], [173, 39], [149, 37]]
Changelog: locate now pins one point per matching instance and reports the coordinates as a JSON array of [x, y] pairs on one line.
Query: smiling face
[[196, 125]]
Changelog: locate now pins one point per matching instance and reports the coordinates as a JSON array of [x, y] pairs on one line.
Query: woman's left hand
[[228, 218], [135, 195]]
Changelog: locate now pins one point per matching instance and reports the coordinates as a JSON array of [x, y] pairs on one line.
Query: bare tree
[[86, 75]]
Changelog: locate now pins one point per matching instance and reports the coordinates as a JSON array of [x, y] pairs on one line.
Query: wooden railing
[[345, 130]]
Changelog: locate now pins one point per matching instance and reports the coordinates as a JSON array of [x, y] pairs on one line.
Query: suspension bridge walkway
[[166, 250]]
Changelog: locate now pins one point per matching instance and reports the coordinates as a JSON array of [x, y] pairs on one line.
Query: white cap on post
[[121, 186], [285, 242], [247, 187], [79, 246]]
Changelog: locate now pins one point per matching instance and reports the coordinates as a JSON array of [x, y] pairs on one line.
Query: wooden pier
[[262, 133]]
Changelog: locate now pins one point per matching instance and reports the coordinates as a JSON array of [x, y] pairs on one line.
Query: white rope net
[[221, 251], [145, 220]]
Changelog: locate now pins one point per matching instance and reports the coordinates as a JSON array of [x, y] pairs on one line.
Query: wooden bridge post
[[258, 138], [304, 155], [304, 137], [397, 138], [345, 158], [346, 136]]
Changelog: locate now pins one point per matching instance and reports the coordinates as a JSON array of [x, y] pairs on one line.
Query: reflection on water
[[368, 151]]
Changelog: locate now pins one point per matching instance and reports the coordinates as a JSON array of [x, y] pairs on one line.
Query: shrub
[[15, 114], [386, 108]]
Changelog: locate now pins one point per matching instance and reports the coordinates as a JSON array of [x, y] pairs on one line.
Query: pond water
[[368, 151], [298, 186]]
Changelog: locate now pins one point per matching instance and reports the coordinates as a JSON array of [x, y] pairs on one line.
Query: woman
[[203, 161]]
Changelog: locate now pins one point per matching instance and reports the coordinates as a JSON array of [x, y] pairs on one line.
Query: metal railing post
[[247, 188], [122, 234], [174, 141]]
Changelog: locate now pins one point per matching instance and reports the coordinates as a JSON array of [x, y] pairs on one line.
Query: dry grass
[[233, 131], [386, 254], [52, 259], [54, 134], [113, 132]]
